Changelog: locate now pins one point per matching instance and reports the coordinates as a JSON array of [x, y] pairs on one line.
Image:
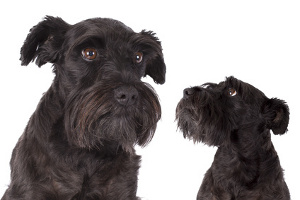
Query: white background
[[203, 41]]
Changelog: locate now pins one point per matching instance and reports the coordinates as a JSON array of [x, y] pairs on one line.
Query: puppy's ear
[[276, 114], [155, 67], [44, 41]]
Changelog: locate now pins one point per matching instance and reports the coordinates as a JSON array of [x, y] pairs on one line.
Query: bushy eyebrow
[[87, 41], [90, 40], [232, 82]]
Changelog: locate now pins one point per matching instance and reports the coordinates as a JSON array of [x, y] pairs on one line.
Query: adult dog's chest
[[90, 174]]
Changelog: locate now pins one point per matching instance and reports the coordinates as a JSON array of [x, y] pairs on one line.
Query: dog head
[[98, 65], [212, 113]]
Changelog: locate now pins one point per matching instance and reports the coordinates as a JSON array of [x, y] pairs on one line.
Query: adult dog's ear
[[276, 114], [44, 41], [155, 67]]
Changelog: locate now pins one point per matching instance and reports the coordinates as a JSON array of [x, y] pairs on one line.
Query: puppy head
[[212, 113], [97, 62]]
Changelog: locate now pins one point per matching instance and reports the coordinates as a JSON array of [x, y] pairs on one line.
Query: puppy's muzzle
[[188, 92], [126, 95]]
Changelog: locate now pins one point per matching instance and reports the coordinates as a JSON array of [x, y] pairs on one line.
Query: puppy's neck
[[248, 143], [249, 150], [247, 157]]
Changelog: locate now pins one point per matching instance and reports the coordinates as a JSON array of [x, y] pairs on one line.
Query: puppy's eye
[[232, 92], [89, 53], [138, 57]]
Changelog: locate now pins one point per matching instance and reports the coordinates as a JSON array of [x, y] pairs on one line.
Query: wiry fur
[[246, 165], [79, 143]]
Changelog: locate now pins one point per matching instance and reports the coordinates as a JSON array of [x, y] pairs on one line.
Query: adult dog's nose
[[126, 95]]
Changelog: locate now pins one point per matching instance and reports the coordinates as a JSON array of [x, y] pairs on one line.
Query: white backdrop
[[204, 41]]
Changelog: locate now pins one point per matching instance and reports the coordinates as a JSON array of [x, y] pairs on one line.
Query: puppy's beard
[[189, 122], [202, 122]]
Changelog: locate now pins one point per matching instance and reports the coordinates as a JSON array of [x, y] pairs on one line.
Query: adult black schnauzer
[[237, 118], [79, 143]]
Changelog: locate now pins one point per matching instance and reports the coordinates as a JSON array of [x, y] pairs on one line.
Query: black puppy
[[237, 118], [79, 143]]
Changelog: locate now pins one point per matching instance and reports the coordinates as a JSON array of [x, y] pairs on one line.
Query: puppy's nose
[[126, 95], [188, 92]]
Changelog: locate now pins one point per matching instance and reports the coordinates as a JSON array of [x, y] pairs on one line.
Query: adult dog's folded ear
[[276, 113], [44, 41], [155, 67]]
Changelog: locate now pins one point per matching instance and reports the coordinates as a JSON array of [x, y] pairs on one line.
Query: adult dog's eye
[[232, 92], [138, 57], [89, 53]]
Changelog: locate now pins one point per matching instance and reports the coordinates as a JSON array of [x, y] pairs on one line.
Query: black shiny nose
[[188, 92], [126, 95]]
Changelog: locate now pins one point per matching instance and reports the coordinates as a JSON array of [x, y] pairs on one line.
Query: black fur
[[237, 118], [79, 143]]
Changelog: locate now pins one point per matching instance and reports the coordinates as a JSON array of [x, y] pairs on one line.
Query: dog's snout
[[188, 92], [126, 95]]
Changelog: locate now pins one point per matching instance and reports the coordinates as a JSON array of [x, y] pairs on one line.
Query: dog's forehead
[[229, 82], [98, 27], [105, 23], [247, 90]]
